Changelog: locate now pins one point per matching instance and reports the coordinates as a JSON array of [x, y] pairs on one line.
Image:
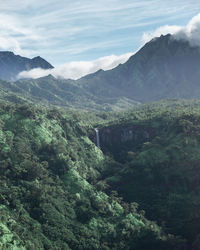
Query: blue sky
[[64, 31]]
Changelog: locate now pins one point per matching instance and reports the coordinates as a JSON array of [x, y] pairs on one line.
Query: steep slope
[[50, 196], [11, 65], [157, 155], [163, 68]]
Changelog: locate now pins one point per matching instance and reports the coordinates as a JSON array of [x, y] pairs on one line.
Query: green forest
[[99, 150], [140, 190]]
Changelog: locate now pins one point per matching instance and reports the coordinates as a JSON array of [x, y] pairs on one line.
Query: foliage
[[159, 171], [50, 193]]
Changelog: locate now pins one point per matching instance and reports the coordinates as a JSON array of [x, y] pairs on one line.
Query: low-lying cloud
[[77, 69], [190, 33]]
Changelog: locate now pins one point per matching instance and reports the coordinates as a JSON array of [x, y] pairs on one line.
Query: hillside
[[51, 196], [59, 191], [50, 91], [11, 65], [156, 152], [139, 191]]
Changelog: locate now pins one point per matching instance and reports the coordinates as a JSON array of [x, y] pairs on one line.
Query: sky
[[81, 36]]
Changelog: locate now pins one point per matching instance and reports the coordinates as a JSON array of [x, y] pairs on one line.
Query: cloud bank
[[14, 35], [190, 33], [77, 69]]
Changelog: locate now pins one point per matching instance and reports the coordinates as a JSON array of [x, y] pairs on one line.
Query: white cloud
[[190, 32], [75, 70], [14, 35], [35, 27], [164, 30]]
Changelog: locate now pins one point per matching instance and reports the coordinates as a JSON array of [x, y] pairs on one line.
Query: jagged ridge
[[11, 65]]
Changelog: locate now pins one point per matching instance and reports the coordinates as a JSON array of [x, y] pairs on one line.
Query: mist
[[77, 69], [190, 32]]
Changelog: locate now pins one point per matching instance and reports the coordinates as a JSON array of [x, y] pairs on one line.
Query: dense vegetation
[[52, 194], [140, 191], [59, 191], [160, 171]]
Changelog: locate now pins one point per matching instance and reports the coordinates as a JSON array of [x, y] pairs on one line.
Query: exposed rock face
[[116, 137], [122, 134]]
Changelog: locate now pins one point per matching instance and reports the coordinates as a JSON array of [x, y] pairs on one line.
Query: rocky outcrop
[[116, 137], [125, 133]]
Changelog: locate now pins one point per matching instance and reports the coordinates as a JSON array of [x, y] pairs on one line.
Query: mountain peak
[[163, 68], [6, 53], [42, 62], [11, 65], [161, 38]]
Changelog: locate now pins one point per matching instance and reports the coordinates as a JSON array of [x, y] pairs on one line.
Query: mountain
[[138, 190], [163, 68], [11, 65], [59, 92]]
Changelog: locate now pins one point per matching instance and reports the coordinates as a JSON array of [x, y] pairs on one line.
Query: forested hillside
[[59, 191], [53, 193], [102, 151], [140, 190], [157, 154]]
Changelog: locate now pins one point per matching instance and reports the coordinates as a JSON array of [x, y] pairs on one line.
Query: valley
[[108, 161]]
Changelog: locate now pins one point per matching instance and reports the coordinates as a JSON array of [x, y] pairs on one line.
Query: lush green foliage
[[140, 191], [160, 168], [51, 190]]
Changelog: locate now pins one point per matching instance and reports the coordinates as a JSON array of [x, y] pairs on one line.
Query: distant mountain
[[11, 65], [163, 68], [59, 92]]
